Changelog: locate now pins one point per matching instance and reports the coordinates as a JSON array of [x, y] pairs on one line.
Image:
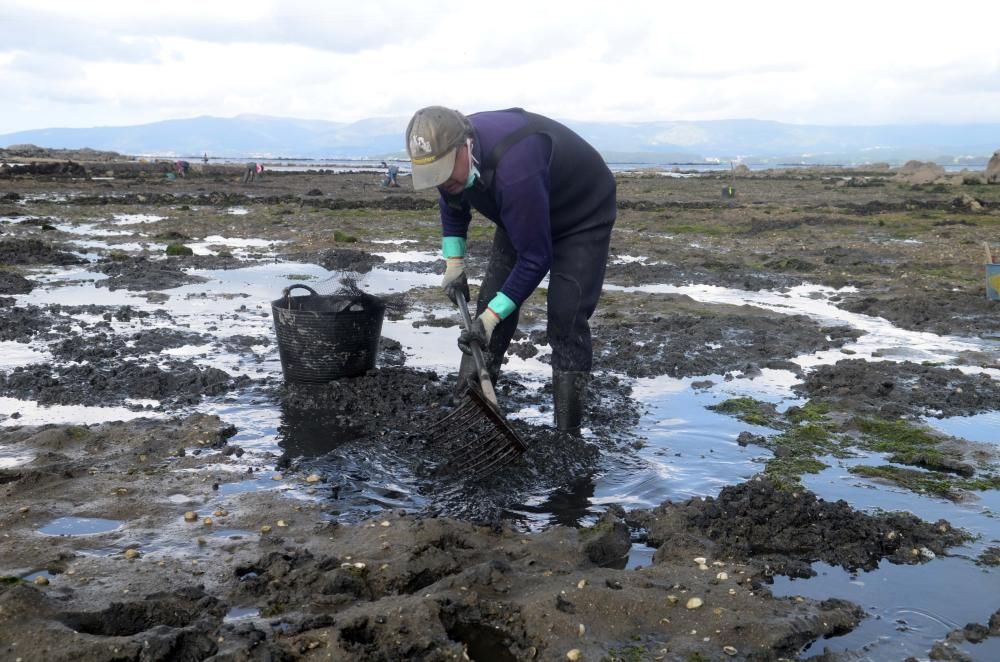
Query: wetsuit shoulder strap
[[489, 164]]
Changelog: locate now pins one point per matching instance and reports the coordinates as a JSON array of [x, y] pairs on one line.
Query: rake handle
[[477, 352]]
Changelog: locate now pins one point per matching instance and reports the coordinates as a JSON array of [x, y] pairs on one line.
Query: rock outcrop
[[993, 169], [921, 172]]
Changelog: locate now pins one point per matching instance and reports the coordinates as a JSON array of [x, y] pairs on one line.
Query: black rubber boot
[[568, 391]]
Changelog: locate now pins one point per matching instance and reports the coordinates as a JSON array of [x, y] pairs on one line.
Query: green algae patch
[[76, 432], [797, 449], [812, 411], [343, 238], [750, 410], [932, 463], [928, 482], [910, 444], [786, 471], [925, 482], [177, 249]]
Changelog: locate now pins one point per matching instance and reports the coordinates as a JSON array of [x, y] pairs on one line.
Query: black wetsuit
[[552, 198]]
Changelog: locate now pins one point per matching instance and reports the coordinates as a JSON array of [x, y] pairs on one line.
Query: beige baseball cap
[[432, 138]]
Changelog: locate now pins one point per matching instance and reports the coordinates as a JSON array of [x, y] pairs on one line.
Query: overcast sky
[[105, 62]]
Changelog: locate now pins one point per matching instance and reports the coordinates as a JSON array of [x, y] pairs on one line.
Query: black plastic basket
[[323, 337]]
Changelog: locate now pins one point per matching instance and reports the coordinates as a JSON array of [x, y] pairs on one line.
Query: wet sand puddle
[[683, 450]]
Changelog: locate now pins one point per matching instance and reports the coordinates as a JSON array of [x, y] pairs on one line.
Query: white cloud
[[67, 63]]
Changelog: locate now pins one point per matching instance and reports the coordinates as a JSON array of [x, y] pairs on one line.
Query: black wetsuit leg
[[575, 282]]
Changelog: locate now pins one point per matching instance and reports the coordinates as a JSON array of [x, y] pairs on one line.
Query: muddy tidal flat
[[791, 451]]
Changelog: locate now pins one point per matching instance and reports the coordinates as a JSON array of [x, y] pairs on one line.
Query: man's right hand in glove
[[454, 279], [480, 333]]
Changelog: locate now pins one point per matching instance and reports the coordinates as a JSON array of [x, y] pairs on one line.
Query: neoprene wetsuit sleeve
[[525, 217]]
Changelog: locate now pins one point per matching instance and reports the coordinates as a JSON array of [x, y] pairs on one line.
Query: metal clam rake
[[475, 439]]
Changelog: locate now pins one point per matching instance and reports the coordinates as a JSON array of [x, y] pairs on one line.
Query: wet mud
[[393, 587], [788, 530], [13, 283], [339, 259], [349, 543], [104, 381], [955, 312], [901, 389], [22, 251], [141, 274], [646, 335]]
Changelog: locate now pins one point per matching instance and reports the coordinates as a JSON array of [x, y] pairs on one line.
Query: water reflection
[[309, 432], [569, 505]]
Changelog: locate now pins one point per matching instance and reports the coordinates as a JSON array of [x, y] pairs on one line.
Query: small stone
[[265, 529], [25, 509], [282, 524], [700, 560], [672, 599], [313, 478], [131, 554], [385, 523], [694, 603], [42, 580], [574, 654], [582, 583], [207, 521], [702, 566], [581, 630], [277, 477], [722, 576], [729, 650], [190, 516], [359, 566], [732, 591]]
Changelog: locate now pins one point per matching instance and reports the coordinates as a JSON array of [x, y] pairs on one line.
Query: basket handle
[[287, 291]]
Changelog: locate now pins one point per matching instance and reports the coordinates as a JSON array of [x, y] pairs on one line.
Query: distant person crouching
[[390, 175], [253, 171]]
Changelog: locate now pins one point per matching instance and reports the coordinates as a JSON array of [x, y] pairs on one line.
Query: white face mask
[[473, 170]]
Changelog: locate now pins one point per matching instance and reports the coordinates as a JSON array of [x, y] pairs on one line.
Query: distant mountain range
[[750, 141]]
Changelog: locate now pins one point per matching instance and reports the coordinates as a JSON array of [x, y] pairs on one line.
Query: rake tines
[[474, 438]]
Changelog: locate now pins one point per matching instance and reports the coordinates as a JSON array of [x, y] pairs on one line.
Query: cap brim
[[435, 173]]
